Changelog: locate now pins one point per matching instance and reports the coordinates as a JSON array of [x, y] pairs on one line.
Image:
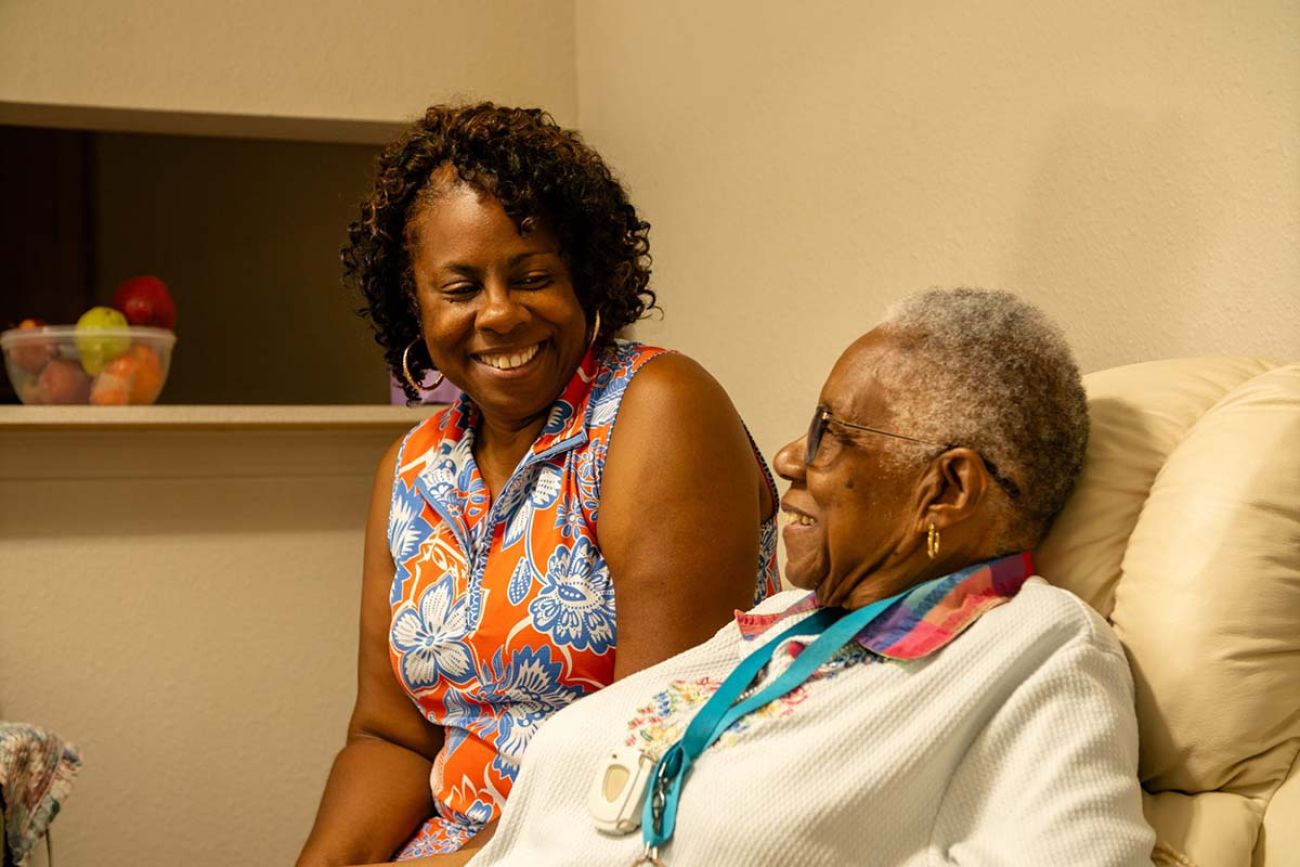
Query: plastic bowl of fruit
[[75, 364]]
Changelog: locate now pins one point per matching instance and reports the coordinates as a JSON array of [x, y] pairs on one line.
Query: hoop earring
[[406, 371], [932, 542], [595, 332]]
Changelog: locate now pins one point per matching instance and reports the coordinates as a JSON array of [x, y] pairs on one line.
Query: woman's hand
[[681, 502]]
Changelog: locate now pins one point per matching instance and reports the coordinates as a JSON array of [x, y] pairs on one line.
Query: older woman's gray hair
[[987, 370]]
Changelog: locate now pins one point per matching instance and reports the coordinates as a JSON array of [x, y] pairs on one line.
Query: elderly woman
[[518, 555], [930, 701]]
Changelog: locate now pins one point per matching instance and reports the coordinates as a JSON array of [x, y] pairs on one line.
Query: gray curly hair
[[987, 370]]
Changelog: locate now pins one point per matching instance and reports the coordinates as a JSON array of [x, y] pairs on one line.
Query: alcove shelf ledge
[[265, 417]]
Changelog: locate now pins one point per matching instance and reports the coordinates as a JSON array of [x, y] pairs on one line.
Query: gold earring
[[595, 332], [406, 371], [932, 542]]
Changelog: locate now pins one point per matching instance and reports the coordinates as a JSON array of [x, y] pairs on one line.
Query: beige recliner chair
[[1185, 533]]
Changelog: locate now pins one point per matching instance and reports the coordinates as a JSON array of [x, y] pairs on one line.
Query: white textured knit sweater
[[1014, 745]]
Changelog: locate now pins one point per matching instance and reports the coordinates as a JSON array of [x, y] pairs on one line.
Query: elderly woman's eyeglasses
[[822, 418]]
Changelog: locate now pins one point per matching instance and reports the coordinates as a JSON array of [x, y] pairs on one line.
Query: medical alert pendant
[[617, 793]]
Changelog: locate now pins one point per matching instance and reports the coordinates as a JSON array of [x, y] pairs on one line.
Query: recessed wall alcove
[[242, 217]]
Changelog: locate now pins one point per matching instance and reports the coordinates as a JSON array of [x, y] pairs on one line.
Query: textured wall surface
[[182, 606], [294, 58], [1132, 168]]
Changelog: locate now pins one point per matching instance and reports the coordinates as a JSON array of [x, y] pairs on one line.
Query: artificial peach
[[109, 392], [113, 385], [148, 379], [145, 356], [63, 381]]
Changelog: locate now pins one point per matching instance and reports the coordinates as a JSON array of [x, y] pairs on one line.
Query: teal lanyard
[[833, 630]]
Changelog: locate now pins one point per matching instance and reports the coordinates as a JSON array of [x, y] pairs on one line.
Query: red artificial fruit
[[145, 300]]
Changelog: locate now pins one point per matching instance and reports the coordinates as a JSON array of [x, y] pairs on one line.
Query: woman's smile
[[511, 363], [796, 519]]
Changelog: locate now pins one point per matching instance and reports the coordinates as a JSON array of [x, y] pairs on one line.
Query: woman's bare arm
[[378, 789], [681, 502]]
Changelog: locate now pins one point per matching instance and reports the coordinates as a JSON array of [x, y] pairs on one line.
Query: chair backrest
[[1184, 532]]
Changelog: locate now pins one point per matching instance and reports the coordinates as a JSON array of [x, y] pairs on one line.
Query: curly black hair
[[537, 170]]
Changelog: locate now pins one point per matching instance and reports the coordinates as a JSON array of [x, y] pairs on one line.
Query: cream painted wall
[[1131, 167], [330, 59], [181, 604]]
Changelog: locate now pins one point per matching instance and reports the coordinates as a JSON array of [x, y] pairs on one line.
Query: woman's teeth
[[801, 520], [509, 361]]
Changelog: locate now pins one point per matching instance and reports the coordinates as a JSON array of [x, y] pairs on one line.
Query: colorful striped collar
[[929, 616]]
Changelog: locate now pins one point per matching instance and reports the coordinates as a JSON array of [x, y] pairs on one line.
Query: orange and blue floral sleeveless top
[[503, 611]]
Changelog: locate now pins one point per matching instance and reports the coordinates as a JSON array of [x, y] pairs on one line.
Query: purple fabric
[[444, 393]]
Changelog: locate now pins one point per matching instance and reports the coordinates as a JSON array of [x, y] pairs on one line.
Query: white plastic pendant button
[[617, 792]]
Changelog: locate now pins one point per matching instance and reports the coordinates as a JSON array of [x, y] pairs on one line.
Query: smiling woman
[[518, 555], [931, 702], [498, 310]]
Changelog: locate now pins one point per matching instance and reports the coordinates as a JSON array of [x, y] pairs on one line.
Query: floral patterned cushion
[[36, 771]]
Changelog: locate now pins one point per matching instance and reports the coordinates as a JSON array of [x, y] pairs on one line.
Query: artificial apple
[[31, 355], [145, 301], [98, 349], [63, 381]]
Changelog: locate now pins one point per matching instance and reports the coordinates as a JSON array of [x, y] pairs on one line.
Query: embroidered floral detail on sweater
[[663, 720]]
